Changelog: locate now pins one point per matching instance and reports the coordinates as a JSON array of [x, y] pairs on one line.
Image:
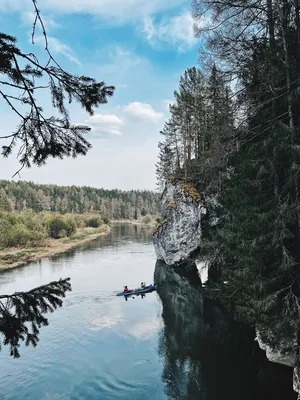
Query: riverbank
[[151, 223], [16, 257]]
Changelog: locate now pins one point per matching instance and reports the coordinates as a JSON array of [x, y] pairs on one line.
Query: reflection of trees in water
[[205, 355], [183, 326], [140, 233]]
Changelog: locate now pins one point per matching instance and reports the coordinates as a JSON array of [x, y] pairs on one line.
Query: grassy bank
[[13, 257]]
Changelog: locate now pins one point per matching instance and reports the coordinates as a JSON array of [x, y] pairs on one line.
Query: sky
[[139, 46]]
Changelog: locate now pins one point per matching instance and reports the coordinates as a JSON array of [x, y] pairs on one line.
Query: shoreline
[[133, 222], [18, 257]]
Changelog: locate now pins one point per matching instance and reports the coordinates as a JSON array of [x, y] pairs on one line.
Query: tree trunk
[[284, 16], [297, 20], [271, 23]]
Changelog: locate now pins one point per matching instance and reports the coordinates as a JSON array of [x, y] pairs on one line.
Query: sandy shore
[[16, 257]]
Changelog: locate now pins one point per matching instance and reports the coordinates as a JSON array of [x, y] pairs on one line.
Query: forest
[[110, 204], [234, 133]]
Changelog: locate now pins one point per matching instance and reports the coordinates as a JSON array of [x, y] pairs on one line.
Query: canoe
[[146, 289]]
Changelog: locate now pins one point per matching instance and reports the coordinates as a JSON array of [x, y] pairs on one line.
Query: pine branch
[[41, 137], [22, 313]]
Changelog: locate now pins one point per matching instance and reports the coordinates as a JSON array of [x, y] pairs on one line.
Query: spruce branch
[[38, 136], [22, 313]]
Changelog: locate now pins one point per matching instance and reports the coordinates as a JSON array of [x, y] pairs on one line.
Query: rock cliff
[[179, 234]]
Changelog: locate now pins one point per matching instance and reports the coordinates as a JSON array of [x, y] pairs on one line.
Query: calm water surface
[[168, 345], [98, 346]]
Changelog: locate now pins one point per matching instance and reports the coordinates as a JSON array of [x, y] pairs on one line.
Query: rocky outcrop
[[276, 355], [179, 234]]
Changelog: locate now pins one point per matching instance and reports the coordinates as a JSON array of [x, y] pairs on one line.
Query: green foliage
[[5, 204], [109, 204], [94, 222], [23, 313], [198, 135], [71, 227], [191, 191], [19, 235], [29, 229], [20, 230], [39, 136], [59, 226], [258, 238], [147, 220], [246, 163]]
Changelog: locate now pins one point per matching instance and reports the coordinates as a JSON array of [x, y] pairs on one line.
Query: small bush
[[19, 235], [31, 229], [105, 220], [70, 226], [94, 222], [147, 220], [80, 220], [59, 227], [21, 230]]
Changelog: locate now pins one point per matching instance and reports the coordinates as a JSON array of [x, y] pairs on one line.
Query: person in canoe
[[143, 285], [126, 290]]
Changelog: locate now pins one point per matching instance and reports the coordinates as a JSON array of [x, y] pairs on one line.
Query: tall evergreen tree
[[5, 204], [260, 230], [198, 131]]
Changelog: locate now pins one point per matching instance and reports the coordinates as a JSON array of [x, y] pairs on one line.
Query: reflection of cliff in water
[[206, 355]]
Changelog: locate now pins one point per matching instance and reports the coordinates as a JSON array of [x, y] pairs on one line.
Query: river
[[162, 346]]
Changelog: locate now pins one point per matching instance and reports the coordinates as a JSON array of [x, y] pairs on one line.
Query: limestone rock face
[[178, 236]]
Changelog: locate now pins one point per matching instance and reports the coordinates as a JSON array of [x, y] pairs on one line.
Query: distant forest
[[111, 204]]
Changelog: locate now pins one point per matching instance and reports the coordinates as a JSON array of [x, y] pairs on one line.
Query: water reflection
[[97, 345], [207, 356]]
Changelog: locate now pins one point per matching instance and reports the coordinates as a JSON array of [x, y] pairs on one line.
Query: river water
[[101, 347]]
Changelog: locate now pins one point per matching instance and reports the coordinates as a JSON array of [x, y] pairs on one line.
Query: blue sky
[[141, 47]]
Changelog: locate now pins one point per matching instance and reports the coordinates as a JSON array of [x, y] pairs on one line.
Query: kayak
[[146, 289]]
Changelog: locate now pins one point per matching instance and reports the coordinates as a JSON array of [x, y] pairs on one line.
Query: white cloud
[[144, 112], [176, 31], [106, 124], [111, 10], [56, 46]]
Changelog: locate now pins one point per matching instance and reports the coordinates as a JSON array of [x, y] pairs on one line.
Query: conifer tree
[[197, 136], [22, 79], [5, 204], [260, 231]]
